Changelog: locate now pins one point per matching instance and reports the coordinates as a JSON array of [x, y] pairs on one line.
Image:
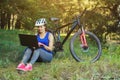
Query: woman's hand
[[40, 44]]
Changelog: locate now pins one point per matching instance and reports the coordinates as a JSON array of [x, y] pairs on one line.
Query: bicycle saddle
[[54, 19]]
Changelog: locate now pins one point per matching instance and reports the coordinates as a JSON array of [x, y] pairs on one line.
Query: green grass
[[63, 66]]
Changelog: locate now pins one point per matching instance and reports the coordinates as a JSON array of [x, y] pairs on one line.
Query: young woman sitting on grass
[[45, 43]]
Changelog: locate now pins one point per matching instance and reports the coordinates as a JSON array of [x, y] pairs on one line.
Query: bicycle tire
[[93, 43]]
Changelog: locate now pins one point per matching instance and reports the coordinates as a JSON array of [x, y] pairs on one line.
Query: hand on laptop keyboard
[[40, 44]]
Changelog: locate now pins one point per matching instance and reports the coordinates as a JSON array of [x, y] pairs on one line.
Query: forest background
[[102, 17]]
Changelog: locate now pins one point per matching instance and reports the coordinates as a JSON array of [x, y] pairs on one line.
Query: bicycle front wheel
[[91, 54]]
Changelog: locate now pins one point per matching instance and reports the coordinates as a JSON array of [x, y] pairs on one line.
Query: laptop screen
[[28, 40]]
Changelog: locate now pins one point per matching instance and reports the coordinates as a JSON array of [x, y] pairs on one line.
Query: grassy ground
[[63, 66]]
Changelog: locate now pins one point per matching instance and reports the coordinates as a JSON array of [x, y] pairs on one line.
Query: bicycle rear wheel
[[91, 54]]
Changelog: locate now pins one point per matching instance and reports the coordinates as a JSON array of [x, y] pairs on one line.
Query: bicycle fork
[[84, 44]]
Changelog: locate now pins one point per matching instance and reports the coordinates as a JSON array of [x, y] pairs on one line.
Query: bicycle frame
[[75, 24], [70, 31]]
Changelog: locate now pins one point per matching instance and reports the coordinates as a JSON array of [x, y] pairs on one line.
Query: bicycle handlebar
[[77, 17], [83, 12]]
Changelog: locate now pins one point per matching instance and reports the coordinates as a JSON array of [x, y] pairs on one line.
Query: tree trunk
[[8, 19], [18, 24], [12, 22], [2, 19]]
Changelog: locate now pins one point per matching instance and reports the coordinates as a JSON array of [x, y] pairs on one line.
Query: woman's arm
[[51, 43]]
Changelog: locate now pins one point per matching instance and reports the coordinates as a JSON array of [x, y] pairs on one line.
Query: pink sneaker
[[28, 67], [21, 66]]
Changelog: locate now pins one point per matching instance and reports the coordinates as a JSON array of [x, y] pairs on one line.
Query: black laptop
[[28, 40]]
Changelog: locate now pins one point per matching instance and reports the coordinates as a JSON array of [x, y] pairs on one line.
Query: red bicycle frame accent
[[83, 38]]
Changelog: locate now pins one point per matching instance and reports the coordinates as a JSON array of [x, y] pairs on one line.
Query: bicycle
[[84, 45]]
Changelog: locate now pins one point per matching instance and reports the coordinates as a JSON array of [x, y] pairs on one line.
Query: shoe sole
[[22, 69]]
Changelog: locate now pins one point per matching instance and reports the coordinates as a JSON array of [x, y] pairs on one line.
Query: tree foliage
[[102, 16]]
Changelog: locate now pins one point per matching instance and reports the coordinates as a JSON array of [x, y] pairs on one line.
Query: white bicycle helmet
[[40, 22]]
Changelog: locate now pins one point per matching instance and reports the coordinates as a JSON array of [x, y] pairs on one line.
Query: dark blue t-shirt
[[44, 40]]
